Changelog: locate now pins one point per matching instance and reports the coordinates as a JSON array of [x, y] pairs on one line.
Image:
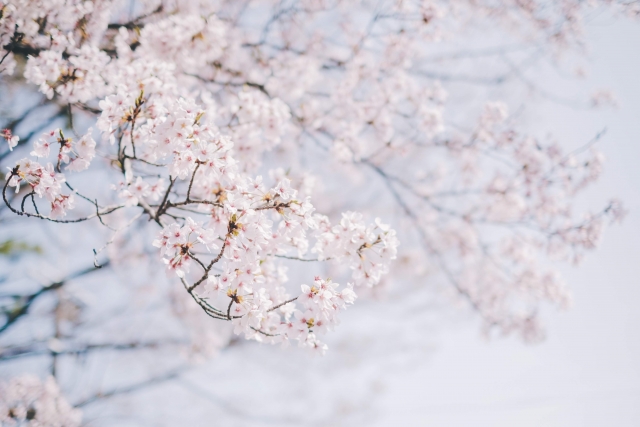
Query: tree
[[205, 133]]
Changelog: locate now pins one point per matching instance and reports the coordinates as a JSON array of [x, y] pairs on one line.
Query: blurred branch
[[45, 348], [133, 387], [24, 302]]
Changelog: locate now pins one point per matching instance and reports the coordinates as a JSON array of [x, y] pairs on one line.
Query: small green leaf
[[12, 247]]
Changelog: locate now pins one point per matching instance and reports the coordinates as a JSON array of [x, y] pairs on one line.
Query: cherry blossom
[[236, 137], [12, 140]]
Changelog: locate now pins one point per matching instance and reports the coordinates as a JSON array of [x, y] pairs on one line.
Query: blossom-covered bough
[[244, 226], [207, 124]]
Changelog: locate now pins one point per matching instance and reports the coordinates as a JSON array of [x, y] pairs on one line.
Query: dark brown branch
[[208, 268], [229, 309], [14, 172], [282, 304], [135, 23], [193, 177], [301, 259], [164, 202]]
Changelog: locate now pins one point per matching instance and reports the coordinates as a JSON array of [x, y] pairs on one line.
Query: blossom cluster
[[45, 182], [246, 225], [249, 226], [78, 154], [28, 401]]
